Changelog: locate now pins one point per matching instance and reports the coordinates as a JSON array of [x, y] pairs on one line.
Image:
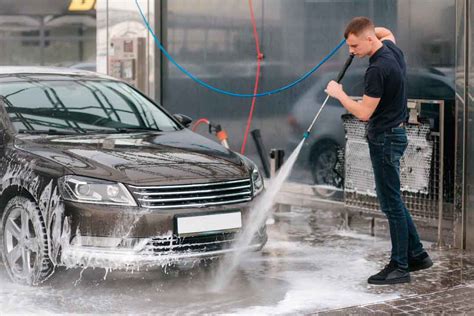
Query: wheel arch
[[12, 191], [45, 265], [318, 148], [314, 149]]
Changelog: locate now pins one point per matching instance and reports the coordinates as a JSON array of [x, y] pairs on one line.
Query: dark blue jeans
[[386, 150]]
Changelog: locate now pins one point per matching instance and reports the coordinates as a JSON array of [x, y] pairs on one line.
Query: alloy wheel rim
[[324, 169], [21, 243]]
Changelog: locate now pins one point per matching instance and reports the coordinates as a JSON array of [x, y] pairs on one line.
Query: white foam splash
[[258, 215], [20, 173]]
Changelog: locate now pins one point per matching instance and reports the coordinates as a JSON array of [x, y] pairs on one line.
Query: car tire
[[24, 243], [324, 164]]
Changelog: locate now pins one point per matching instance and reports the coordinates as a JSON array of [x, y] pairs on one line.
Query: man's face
[[361, 45]]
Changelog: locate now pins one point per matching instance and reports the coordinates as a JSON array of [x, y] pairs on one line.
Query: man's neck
[[377, 45]]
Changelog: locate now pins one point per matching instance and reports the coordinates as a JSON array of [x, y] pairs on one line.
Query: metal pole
[[42, 40], [277, 159], [317, 115], [107, 35], [465, 188], [441, 174]]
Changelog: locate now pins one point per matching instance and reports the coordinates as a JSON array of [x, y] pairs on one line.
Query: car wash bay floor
[[309, 265]]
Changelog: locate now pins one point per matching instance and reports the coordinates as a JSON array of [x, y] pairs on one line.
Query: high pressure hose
[[221, 134], [199, 122], [255, 89], [230, 93], [257, 76]]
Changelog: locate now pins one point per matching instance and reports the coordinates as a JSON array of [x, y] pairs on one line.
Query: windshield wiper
[[132, 129], [50, 131], [113, 130]]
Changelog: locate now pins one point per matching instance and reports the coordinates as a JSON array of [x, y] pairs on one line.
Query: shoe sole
[[388, 282], [421, 267]]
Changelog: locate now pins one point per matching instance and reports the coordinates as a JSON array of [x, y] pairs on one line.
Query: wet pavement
[[457, 300], [308, 266], [447, 287]]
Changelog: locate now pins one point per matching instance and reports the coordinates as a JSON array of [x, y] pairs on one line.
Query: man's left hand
[[334, 90]]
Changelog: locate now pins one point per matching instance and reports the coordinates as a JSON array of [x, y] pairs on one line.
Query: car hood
[[139, 158]]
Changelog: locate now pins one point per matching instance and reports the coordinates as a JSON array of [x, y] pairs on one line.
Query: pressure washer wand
[[339, 78]]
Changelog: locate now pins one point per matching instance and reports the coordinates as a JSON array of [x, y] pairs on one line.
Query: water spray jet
[[263, 206]]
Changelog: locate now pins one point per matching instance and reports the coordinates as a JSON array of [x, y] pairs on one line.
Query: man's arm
[[384, 34], [363, 110]]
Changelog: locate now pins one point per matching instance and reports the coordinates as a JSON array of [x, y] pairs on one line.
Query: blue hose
[[233, 94]]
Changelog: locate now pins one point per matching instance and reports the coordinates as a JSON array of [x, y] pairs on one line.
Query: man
[[384, 105]]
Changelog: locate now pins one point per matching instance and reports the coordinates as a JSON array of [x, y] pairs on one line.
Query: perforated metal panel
[[419, 170], [415, 164]]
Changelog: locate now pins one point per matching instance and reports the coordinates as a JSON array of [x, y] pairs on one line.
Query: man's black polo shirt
[[386, 79]]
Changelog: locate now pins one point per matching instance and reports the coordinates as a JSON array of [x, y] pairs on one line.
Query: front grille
[[203, 243], [193, 195]]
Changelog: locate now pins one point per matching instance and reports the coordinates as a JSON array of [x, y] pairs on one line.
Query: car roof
[[39, 70]]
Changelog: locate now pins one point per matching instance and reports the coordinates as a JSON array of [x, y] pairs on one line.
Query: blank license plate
[[208, 223]]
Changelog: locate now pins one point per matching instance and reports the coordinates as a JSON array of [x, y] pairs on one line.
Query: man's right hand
[[334, 90]]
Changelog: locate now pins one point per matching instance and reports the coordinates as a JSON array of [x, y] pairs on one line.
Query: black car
[[95, 174]]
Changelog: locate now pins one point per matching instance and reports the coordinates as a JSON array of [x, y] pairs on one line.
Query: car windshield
[[69, 105]]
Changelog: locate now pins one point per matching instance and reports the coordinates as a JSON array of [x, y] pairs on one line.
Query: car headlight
[[257, 181], [89, 190]]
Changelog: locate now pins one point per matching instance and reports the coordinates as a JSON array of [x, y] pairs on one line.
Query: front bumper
[[144, 253], [131, 238]]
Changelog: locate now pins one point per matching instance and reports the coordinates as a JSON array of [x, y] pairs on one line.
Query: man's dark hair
[[358, 25]]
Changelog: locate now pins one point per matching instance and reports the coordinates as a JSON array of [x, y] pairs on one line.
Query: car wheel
[[325, 162], [24, 242]]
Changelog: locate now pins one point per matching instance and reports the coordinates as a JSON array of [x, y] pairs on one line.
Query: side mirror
[[183, 119]]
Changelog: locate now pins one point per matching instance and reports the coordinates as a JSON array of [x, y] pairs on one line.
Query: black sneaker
[[420, 262], [391, 274]]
